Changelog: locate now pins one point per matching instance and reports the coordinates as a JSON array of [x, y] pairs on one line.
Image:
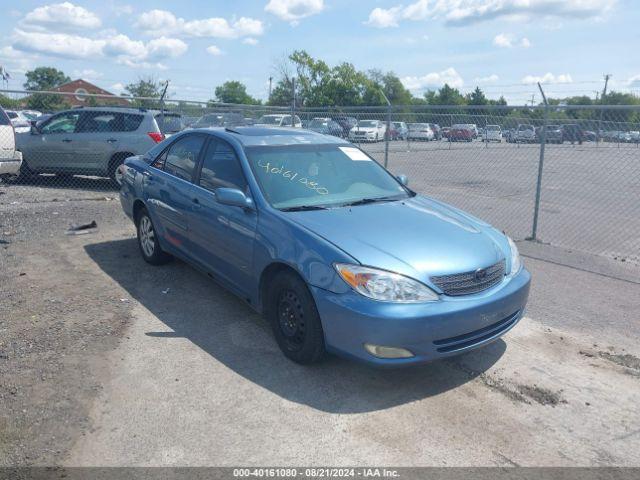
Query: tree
[[445, 96], [148, 87], [477, 97], [234, 92], [45, 78], [9, 103]]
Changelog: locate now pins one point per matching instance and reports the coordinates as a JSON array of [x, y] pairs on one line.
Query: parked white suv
[[10, 158], [278, 120]]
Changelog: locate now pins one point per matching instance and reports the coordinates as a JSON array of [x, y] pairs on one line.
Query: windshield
[[12, 115], [493, 128], [210, 121], [320, 175], [270, 119], [417, 126], [525, 127], [368, 123], [318, 122]]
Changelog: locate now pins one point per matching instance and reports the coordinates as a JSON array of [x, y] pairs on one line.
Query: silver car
[[88, 141]]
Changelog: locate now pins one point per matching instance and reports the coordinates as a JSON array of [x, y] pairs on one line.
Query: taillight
[[156, 136]]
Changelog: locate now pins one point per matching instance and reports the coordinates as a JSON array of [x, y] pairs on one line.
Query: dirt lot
[[105, 360]]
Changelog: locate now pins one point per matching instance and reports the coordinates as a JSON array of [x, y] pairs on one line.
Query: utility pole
[[270, 80], [607, 76], [533, 99]]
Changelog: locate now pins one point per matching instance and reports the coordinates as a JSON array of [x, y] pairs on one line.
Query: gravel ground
[[99, 367]]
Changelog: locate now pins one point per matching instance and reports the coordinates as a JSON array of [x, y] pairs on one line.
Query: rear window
[[169, 123], [4, 119], [131, 122]]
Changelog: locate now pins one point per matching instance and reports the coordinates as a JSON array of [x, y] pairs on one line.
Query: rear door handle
[[196, 203], [112, 140], [66, 140]]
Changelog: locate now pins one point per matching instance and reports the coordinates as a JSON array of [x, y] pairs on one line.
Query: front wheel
[[148, 241], [294, 319]]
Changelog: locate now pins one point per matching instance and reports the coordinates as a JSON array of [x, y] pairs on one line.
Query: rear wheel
[[148, 240], [294, 319]]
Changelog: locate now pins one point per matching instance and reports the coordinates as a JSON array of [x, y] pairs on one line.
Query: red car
[[460, 133]]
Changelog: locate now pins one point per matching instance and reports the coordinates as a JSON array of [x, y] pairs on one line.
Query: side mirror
[[403, 180], [233, 197], [34, 129]]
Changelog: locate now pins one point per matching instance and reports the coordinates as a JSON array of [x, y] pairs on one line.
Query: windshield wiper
[[364, 201], [302, 208]]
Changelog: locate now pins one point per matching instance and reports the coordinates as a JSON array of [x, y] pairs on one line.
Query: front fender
[[283, 241]]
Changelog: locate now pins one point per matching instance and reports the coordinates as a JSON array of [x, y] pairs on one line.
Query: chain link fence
[[564, 175]]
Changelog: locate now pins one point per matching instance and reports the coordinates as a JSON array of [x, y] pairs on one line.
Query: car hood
[[418, 237], [365, 129]]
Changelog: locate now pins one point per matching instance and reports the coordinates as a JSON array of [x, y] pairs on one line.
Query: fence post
[[543, 142], [387, 133], [293, 102]]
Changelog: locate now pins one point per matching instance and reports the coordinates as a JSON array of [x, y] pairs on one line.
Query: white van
[[10, 158]]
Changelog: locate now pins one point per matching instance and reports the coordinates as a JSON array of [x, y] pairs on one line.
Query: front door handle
[[66, 140], [112, 140]]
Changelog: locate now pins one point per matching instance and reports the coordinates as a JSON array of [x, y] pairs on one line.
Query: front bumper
[[11, 165], [430, 331]]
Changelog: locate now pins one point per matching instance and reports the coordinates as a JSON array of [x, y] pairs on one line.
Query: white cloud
[[294, 10], [633, 82], [547, 78], [385, 18], [215, 51], [61, 16], [493, 78], [87, 74], [435, 79], [126, 51], [117, 88], [250, 41], [163, 22], [163, 47], [462, 12], [508, 40], [57, 44], [503, 40]]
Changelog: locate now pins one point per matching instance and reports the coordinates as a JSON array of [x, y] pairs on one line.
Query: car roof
[[108, 109], [255, 136]]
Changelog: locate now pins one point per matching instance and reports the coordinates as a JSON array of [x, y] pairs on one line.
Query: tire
[[148, 240], [294, 319]]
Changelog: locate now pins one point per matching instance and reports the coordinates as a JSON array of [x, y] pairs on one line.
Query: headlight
[[516, 263], [385, 286]]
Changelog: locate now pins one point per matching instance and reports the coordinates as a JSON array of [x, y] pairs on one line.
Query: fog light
[[387, 352]]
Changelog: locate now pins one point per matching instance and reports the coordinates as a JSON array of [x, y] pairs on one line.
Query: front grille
[[470, 282]]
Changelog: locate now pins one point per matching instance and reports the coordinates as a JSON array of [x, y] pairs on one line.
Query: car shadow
[[75, 182], [198, 309]]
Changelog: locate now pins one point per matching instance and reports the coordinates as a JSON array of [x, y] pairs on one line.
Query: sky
[[503, 46]]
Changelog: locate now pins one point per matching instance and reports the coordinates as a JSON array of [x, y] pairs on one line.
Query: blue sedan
[[338, 254]]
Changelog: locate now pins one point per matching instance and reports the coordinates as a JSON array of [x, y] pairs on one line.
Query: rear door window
[[99, 122], [182, 156]]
